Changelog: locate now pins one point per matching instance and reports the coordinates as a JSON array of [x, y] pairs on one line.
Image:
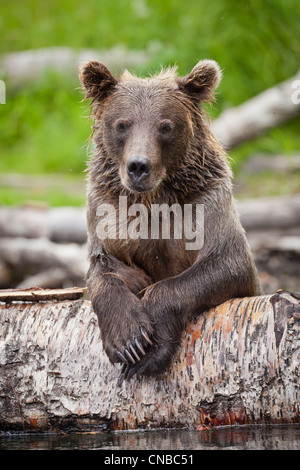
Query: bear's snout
[[138, 170]]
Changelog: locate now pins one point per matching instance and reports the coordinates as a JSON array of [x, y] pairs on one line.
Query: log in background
[[239, 364]]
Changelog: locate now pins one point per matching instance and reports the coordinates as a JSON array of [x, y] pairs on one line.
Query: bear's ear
[[97, 80], [202, 80]]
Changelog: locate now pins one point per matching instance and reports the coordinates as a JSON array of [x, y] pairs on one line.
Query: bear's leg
[[172, 302], [125, 325]]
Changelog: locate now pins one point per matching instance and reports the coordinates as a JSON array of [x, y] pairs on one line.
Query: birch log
[[27, 66], [239, 363], [251, 119]]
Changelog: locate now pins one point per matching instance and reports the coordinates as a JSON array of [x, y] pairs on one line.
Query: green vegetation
[[52, 196], [44, 126]]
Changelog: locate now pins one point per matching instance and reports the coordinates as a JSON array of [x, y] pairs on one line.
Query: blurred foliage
[[44, 126]]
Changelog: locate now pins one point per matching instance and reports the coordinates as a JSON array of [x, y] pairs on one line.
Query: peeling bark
[[239, 363]]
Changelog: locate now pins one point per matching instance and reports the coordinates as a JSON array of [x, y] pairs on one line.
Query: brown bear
[[153, 147]]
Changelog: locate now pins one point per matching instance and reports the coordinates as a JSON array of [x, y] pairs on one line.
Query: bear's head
[[146, 126]]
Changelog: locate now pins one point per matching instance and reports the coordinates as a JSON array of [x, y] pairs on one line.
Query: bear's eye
[[166, 127], [122, 126]]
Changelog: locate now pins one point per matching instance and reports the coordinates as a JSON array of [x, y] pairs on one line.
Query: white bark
[[25, 254], [30, 65], [270, 212], [280, 164], [61, 224], [238, 364], [270, 108]]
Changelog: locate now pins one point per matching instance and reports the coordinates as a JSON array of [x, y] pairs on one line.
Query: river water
[[265, 437]]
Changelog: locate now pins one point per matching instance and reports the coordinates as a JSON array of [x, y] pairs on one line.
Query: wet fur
[[157, 284]]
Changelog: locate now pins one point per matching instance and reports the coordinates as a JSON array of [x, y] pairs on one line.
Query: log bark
[[283, 164], [239, 363], [269, 109], [38, 294]]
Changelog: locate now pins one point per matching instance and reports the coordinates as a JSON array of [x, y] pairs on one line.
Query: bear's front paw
[[157, 359], [168, 327], [126, 333]]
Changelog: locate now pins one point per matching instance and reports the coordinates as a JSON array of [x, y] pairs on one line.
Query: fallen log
[[27, 66], [68, 224], [251, 119], [35, 261], [239, 363], [275, 163], [26, 262], [270, 212], [59, 224], [268, 109]]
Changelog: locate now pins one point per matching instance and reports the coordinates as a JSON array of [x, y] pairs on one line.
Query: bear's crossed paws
[[155, 361], [168, 326], [125, 328], [147, 335]]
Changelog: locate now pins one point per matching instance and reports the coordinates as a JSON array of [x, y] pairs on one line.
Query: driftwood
[[59, 224], [270, 108], [270, 212], [264, 162], [41, 262], [46, 247], [38, 262], [21, 67], [68, 224], [238, 364]]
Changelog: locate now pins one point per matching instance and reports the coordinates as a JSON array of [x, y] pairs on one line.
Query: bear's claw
[[140, 347], [145, 334], [122, 357], [135, 353], [130, 355]]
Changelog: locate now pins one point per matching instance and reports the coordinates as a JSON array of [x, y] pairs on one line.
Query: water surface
[[281, 437]]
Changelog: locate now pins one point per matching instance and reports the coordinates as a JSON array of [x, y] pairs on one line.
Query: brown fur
[[157, 284]]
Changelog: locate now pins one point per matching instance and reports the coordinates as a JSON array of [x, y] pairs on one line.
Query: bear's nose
[[139, 167]]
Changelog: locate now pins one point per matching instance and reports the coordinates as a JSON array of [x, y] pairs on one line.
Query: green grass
[[51, 196], [43, 126], [45, 129], [267, 183]]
